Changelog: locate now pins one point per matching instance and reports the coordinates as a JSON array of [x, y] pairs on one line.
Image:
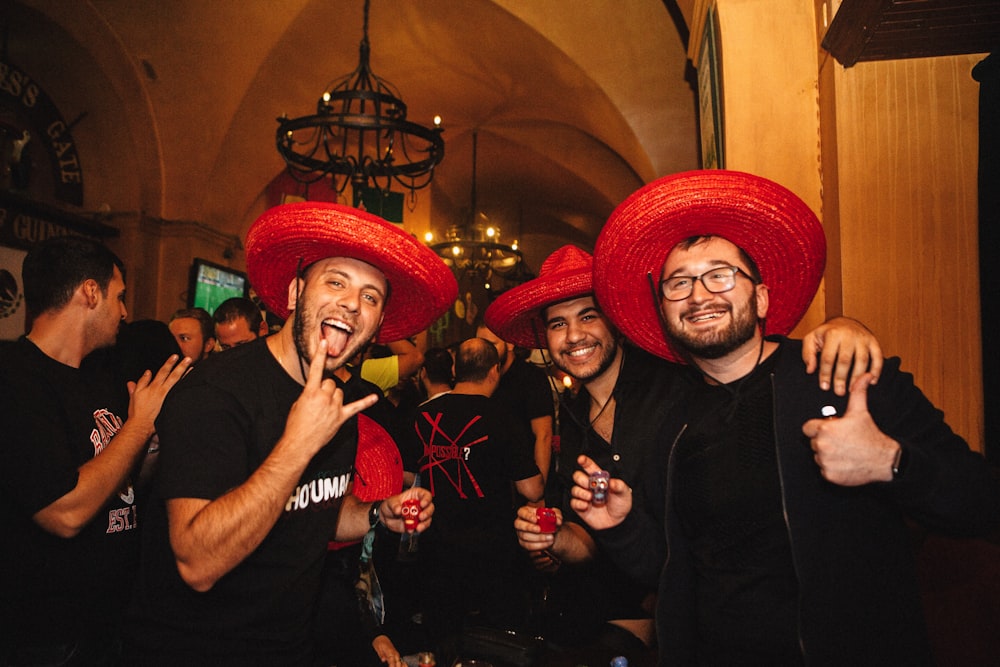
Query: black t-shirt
[[216, 427], [525, 391], [472, 449], [55, 419], [728, 497]]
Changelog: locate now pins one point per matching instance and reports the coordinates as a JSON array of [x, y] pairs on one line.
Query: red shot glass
[[411, 514], [546, 517]]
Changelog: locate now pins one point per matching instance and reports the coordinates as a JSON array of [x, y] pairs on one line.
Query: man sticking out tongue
[[258, 447]]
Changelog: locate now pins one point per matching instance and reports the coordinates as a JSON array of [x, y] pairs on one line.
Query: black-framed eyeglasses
[[716, 280]]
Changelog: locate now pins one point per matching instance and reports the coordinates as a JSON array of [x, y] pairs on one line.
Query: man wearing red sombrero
[[258, 446], [624, 394], [784, 514]]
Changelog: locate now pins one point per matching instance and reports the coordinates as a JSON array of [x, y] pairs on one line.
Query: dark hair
[[143, 345], [438, 364], [747, 259], [200, 314], [475, 358], [239, 307], [54, 268]]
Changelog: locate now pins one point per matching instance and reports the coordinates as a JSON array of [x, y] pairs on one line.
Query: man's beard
[[742, 327], [607, 358], [299, 318]]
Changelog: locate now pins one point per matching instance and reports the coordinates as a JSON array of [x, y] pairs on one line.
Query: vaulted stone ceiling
[[576, 103]]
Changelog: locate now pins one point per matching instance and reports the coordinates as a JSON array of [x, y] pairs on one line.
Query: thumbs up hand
[[851, 450]]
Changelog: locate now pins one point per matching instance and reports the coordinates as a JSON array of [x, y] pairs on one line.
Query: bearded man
[[258, 445], [623, 394], [783, 504]]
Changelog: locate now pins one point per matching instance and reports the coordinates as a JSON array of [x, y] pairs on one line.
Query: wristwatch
[[373, 513]]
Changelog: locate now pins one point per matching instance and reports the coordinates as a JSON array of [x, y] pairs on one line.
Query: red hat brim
[[422, 287], [769, 222], [378, 466], [515, 316]]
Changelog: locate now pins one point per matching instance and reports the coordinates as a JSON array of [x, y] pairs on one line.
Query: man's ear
[[91, 292], [293, 293], [262, 329], [763, 300]]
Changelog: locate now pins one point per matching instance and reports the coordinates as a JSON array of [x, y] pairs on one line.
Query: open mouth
[[336, 334], [579, 352], [705, 316]]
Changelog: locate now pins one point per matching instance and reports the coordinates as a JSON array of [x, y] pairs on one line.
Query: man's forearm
[[354, 519], [532, 489], [573, 544], [99, 478], [541, 428], [210, 538]]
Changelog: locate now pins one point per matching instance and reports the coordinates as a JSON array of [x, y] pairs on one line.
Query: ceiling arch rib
[[585, 101]]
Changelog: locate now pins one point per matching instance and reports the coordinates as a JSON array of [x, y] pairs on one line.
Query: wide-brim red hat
[[516, 315], [378, 467], [422, 287], [769, 222]]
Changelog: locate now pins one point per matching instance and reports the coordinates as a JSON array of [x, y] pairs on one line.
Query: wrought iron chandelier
[[360, 131], [474, 247]]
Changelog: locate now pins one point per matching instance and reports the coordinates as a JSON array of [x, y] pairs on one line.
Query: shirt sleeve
[[521, 449], [383, 372], [538, 400]]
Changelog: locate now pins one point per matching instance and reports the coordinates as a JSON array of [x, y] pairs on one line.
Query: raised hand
[[529, 535], [319, 412], [841, 342], [147, 394], [618, 505], [387, 651], [391, 509], [851, 450]]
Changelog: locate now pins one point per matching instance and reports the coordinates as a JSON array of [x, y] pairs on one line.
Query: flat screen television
[[211, 284]]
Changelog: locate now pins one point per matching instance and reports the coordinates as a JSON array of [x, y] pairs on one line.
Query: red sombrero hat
[[378, 467], [423, 287], [516, 314], [776, 228]]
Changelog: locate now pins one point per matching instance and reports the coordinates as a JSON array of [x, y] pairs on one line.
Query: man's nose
[[574, 332], [350, 299], [699, 292]]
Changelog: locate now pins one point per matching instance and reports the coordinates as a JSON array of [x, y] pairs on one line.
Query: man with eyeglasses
[[784, 504], [597, 611]]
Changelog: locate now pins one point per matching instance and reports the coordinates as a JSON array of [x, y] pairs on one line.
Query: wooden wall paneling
[[906, 156]]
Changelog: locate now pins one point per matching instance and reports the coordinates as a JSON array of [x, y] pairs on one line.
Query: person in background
[[785, 504], [238, 320], [437, 375], [74, 434], [471, 451], [395, 362], [143, 345], [526, 393], [194, 331]]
